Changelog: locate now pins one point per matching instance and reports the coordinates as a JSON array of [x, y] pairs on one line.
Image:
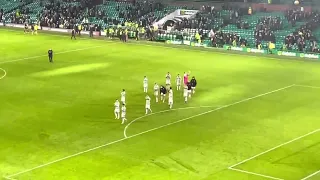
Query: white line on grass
[[264, 152], [144, 132], [305, 178], [141, 117], [5, 73], [307, 86], [63, 52], [261, 175], [7, 178]]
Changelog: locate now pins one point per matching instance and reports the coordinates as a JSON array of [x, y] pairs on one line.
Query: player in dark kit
[[189, 89], [26, 28], [73, 34], [50, 54], [163, 92], [193, 83]]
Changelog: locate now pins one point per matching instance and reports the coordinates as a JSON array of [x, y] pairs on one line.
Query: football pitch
[[251, 118]]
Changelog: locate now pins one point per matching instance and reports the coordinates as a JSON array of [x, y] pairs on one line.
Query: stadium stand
[[293, 30]]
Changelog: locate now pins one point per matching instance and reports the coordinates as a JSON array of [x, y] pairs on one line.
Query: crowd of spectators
[[265, 29], [62, 15], [303, 39], [295, 15], [141, 12], [219, 39]]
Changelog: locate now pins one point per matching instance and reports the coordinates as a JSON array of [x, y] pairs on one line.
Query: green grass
[[51, 111]]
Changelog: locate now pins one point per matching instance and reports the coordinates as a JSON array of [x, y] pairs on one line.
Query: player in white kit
[[148, 104], [117, 109], [123, 113], [156, 91], [170, 101], [123, 96], [168, 80], [145, 84], [178, 81], [185, 94]]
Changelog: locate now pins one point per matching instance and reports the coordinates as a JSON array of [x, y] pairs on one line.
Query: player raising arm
[[156, 91], [123, 113], [117, 109], [145, 84], [123, 96], [170, 101], [148, 104], [193, 83], [178, 81]]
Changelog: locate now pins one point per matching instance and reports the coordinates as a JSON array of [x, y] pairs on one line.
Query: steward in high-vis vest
[[79, 29]]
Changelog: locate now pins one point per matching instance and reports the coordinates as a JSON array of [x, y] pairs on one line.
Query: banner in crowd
[[302, 55], [252, 50]]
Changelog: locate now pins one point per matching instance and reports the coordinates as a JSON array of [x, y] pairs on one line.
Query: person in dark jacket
[[189, 88], [193, 83], [50, 55]]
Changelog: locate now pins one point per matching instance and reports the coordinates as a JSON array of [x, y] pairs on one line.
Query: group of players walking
[[189, 89]]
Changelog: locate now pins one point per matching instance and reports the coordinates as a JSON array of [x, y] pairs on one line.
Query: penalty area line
[[311, 175], [144, 132], [256, 174], [276, 147], [7, 178], [5, 73], [307, 86]]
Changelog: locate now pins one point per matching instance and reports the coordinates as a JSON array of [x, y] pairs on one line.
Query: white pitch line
[[256, 174], [306, 86], [305, 178], [63, 52], [7, 178], [144, 132], [5, 73], [141, 117], [264, 152]]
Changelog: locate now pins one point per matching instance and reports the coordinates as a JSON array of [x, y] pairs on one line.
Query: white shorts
[[117, 110], [145, 86], [189, 91], [123, 99], [193, 88], [178, 84], [163, 94], [147, 106], [168, 82], [156, 93], [185, 94], [170, 101], [123, 115]]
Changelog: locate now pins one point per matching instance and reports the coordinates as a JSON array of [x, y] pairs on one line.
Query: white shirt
[[178, 80], [117, 105], [145, 81], [123, 94], [156, 87], [168, 76], [170, 93], [123, 109], [148, 100]]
